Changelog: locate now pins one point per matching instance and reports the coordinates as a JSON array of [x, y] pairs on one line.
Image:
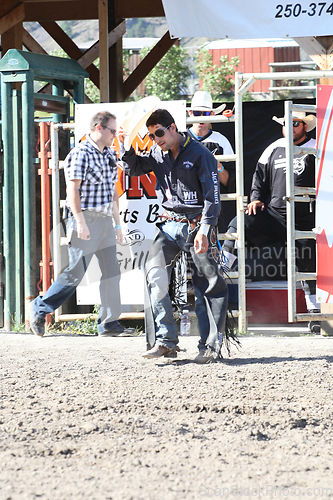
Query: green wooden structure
[[19, 70]]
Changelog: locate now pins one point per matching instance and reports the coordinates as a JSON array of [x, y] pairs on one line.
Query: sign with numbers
[[256, 19]]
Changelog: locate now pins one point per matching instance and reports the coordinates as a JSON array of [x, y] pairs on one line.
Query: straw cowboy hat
[[135, 117], [310, 120], [202, 101]]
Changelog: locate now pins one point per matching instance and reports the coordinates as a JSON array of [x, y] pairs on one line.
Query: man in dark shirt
[[265, 218], [187, 187]]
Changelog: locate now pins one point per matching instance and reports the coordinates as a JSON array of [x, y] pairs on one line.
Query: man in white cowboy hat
[[265, 218], [218, 144]]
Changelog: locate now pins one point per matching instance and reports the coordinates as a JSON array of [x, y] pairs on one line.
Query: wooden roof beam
[[91, 54], [319, 49], [147, 64], [135, 8], [59, 11], [71, 49], [12, 18], [46, 10], [31, 44]]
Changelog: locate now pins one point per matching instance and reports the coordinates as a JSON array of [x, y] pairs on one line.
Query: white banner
[[256, 19], [138, 208]]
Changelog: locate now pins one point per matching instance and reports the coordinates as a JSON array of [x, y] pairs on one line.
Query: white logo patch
[[298, 164], [190, 197]]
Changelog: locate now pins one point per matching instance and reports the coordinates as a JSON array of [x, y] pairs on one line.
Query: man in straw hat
[[92, 202], [265, 218], [218, 144], [188, 189]]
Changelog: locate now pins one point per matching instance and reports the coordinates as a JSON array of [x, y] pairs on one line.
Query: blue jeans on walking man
[[102, 243]]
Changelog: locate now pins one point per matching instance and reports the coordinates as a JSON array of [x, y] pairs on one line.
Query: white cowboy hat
[[135, 117], [202, 101], [310, 120]]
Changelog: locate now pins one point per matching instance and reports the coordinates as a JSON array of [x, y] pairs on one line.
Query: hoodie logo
[[188, 164], [298, 164], [190, 197]]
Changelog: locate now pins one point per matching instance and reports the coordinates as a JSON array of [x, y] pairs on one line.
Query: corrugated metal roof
[[128, 43], [230, 43]]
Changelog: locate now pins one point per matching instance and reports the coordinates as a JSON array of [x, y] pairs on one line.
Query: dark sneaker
[[128, 332], [37, 323], [313, 325]]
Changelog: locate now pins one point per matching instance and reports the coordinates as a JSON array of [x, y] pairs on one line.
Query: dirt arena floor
[[84, 417]]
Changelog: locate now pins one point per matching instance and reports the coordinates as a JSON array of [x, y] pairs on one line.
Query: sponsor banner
[[324, 203], [138, 207], [239, 19]]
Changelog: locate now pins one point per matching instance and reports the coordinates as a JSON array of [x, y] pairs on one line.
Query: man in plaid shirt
[[92, 201]]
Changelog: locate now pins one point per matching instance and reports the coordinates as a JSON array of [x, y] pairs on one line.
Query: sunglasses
[[158, 133], [112, 130], [295, 123], [201, 113]]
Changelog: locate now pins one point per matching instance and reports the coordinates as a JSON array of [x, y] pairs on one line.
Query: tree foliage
[[215, 79], [169, 75]]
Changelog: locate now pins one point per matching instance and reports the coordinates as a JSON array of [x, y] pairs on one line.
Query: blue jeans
[[102, 243], [210, 289]]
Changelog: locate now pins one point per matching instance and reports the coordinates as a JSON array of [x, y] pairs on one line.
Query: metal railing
[[310, 89], [293, 193]]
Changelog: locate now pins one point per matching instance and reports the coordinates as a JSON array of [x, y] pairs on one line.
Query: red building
[[255, 55]]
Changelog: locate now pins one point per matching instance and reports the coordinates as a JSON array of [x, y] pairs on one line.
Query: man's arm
[[222, 169], [134, 165], [223, 174], [259, 189], [208, 177], [73, 198]]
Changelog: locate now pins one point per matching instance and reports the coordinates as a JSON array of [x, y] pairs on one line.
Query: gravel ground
[[88, 418]]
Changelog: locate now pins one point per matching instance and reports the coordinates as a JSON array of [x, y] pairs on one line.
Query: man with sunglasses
[[265, 218], [218, 144], [188, 189], [91, 173]]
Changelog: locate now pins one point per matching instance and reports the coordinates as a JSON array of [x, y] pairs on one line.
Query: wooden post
[[11, 25], [319, 49], [103, 50], [115, 58]]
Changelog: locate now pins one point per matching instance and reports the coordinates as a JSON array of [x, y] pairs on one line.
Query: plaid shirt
[[98, 172]]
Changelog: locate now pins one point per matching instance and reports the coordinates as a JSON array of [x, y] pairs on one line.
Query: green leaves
[[169, 75], [215, 79]]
